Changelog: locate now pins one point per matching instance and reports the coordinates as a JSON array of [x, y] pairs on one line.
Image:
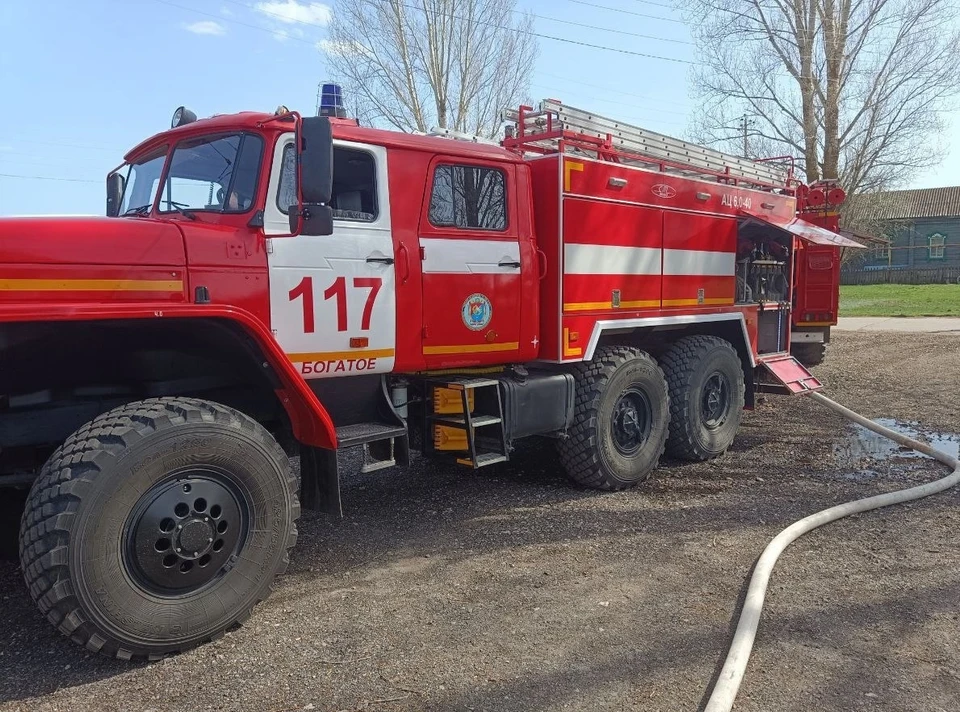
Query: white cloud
[[291, 12], [206, 27], [226, 12]]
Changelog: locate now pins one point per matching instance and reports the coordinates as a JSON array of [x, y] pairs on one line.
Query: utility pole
[[745, 124]]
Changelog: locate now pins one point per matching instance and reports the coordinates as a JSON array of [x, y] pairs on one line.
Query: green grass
[[900, 300]]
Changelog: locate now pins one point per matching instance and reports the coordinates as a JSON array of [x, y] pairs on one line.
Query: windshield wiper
[[181, 208], [139, 210]]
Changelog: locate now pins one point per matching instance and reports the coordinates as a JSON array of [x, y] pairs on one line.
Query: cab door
[[471, 264], [333, 297]]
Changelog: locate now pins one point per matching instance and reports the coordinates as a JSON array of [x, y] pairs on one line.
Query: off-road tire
[[81, 509], [589, 454], [688, 364], [809, 354]]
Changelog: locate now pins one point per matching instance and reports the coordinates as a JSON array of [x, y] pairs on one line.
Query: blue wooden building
[[923, 229]]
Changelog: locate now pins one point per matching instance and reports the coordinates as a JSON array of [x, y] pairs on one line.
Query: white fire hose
[[731, 675]]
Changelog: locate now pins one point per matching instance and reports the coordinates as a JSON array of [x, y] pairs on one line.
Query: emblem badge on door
[[476, 312]]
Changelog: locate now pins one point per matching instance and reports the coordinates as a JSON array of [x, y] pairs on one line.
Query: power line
[[55, 143], [517, 12], [610, 29], [619, 103], [627, 12], [33, 157], [618, 90], [657, 4], [518, 31], [67, 180]]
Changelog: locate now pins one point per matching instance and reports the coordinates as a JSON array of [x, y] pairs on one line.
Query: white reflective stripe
[[469, 256], [610, 259], [698, 262], [682, 319]]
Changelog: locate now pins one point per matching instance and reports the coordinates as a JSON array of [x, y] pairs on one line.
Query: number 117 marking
[[337, 291]]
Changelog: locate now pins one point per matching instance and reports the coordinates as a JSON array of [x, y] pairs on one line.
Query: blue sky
[[82, 82]]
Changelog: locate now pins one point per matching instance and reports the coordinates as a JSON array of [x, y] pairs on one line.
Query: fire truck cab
[[271, 285]]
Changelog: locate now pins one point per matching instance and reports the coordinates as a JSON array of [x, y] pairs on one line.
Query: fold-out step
[[792, 374], [361, 433]]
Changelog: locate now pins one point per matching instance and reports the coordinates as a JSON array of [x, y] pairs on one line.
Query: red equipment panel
[[699, 256], [611, 256]]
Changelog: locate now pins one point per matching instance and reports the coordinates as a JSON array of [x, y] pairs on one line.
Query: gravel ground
[[510, 590]]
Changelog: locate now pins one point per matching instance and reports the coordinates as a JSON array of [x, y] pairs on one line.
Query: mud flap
[[791, 374], [320, 480]]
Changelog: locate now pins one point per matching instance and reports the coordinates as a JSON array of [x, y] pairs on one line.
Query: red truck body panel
[[624, 242]]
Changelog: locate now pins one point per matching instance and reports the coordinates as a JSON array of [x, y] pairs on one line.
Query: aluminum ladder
[[671, 154]]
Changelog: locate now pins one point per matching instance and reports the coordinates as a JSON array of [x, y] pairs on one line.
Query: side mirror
[[115, 186], [316, 160], [316, 219]]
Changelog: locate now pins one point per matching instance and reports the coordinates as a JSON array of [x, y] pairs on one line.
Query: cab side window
[[471, 197], [354, 195]]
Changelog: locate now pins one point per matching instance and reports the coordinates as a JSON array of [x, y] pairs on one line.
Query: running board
[[791, 374], [378, 441]]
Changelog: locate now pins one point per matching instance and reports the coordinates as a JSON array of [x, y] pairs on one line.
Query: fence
[[937, 275]]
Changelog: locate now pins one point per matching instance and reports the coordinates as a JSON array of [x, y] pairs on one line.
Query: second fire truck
[[267, 285]]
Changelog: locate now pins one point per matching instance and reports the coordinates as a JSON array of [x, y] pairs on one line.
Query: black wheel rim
[[715, 401], [186, 532], [631, 422]]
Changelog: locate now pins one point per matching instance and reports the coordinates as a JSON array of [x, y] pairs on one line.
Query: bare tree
[[419, 64], [855, 88]]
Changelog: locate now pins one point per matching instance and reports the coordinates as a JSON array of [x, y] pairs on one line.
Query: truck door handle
[[507, 263], [381, 260], [402, 249]]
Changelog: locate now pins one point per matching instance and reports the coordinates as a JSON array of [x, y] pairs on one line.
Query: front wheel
[[157, 526], [620, 424]]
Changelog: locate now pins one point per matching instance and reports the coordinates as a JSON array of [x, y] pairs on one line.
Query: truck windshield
[[213, 173], [141, 182]]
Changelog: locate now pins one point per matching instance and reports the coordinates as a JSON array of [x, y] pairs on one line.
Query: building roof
[[920, 203]]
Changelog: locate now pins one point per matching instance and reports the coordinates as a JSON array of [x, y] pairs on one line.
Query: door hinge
[[423, 253], [269, 246], [424, 332]]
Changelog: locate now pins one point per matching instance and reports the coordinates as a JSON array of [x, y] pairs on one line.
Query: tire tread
[[680, 363], [47, 519], [579, 452]]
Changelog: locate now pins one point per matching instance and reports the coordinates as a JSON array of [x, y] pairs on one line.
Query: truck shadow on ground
[[430, 509]]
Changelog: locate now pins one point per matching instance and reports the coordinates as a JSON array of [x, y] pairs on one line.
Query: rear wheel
[[157, 526], [621, 420], [809, 354], [706, 396]]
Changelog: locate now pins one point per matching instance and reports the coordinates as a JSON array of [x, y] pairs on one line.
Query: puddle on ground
[[861, 444]]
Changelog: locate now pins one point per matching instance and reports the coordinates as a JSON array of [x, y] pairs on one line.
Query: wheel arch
[[234, 335], [656, 333]]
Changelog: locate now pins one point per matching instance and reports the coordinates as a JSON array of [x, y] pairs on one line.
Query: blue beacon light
[[331, 101]]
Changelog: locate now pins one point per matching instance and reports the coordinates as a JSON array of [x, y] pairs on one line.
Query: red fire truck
[[271, 285], [816, 294]]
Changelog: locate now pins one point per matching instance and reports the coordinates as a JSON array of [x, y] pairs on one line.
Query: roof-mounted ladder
[[556, 127]]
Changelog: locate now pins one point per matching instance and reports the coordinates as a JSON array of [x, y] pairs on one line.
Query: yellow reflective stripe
[[471, 348], [91, 285], [596, 306], [695, 302], [340, 355]]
